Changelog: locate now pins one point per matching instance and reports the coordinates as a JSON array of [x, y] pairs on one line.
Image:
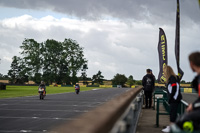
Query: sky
[[117, 36]]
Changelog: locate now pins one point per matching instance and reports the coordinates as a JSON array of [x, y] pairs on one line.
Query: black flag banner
[[177, 42], [162, 53], [199, 3]]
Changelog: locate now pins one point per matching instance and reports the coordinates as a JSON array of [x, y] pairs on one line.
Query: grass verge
[[20, 91]]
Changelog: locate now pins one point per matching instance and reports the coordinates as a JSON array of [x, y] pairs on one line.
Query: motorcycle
[[41, 92], [77, 89]]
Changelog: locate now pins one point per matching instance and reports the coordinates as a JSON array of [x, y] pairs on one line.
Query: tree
[[1, 75], [130, 81], [74, 58], [32, 55], [63, 60], [4, 77], [98, 78], [183, 82], [14, 71], [138, 82], [84, 75], [52, 58], [119, 79], [19, 72], [53, 61]]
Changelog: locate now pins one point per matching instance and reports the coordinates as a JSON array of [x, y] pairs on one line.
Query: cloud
[[8, 59], [154, 11], [109, 45], [117, 36]]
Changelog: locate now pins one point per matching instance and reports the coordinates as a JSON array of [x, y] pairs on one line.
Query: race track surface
[[189, 97], [29, 114]]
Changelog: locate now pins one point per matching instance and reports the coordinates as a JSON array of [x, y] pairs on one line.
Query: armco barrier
[[105, 86], [188, 90], [67, 85], [92, 85], [119, 115]]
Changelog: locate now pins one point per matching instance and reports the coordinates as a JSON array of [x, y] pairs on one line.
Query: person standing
[[174, 94], [148, 85], [151, 72]]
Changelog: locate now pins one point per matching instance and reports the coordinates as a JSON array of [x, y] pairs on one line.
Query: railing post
[[157, 112], [154, 100]]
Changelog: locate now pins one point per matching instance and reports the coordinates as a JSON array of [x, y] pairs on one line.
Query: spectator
[[193, 110], [174, 94], [148, 85], [151, 72]]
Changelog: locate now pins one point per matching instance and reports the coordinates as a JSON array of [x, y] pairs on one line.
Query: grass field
[[20, 91]]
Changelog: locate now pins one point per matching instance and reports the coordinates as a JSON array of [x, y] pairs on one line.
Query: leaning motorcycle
[[41, 92], [77, 89]]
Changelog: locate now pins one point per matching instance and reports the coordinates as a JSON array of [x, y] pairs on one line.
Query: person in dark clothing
[[151, 72], [193, 111], [174, 94], [194, 59], [148, 85]]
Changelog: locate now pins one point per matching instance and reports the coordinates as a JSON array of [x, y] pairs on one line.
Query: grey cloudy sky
[[118, 36]]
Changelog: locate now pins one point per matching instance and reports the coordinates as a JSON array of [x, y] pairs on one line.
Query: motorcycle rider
[[77, 88], [42, 85]]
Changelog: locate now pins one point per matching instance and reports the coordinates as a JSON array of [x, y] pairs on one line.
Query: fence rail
[[164, 100]]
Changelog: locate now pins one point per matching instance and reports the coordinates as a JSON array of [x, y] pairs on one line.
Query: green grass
[[20, 91]]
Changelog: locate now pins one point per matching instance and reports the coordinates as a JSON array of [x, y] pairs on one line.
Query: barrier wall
[[188, 90], [105, 86]]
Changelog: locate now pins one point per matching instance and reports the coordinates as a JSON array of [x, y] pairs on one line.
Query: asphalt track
[[189, 97], [29, 114]]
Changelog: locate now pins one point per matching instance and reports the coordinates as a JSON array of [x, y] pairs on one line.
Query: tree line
[[56, 62], [50, 61]]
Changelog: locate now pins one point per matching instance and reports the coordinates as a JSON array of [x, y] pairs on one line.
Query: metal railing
[[119, 115], [164, 100]]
